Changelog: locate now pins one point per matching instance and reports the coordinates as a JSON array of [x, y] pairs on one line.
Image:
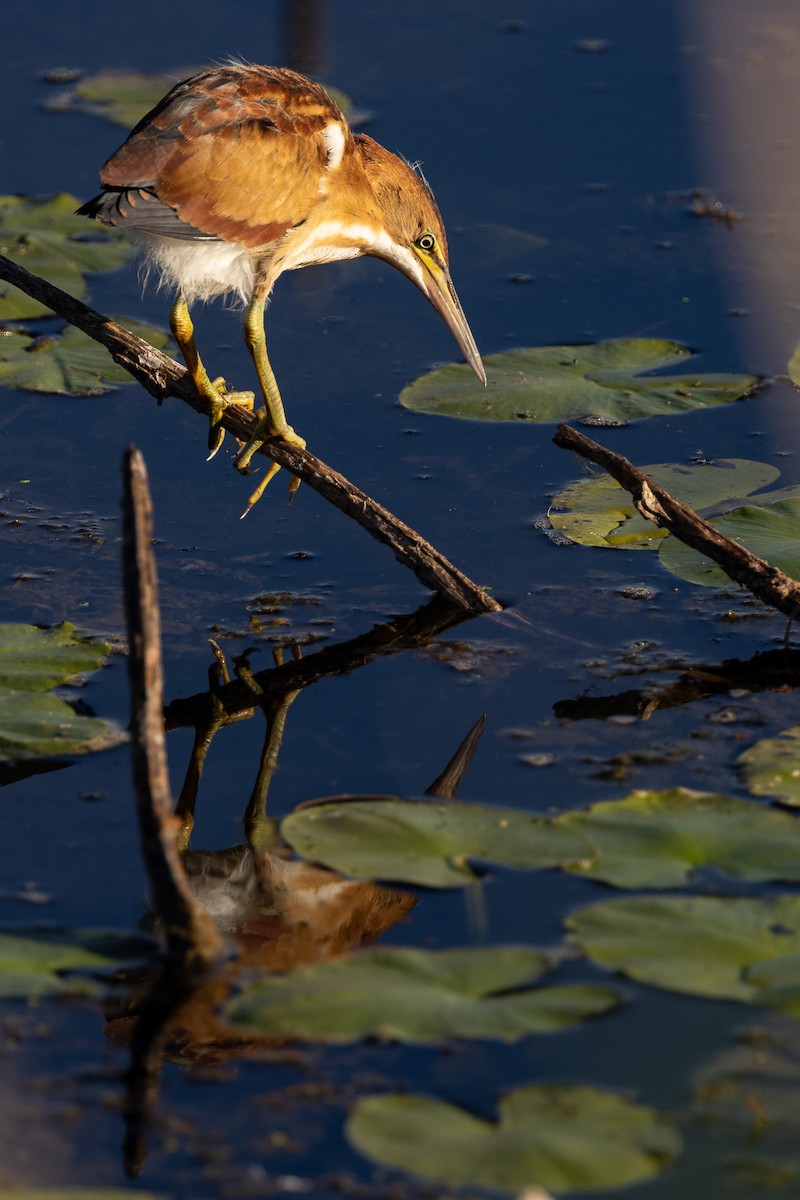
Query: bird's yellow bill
[[438, 287]]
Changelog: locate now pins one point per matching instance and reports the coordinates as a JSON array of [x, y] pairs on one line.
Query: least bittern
[[243, 172]]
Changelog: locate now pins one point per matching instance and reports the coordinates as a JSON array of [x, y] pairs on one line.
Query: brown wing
[[238, 152]]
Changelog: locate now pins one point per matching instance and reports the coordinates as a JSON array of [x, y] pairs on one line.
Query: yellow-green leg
[[272, 422], [213, 390]]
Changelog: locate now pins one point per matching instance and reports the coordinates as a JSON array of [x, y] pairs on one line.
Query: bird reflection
[[276, 913]]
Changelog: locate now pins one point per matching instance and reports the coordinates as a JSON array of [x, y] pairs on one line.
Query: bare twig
[[189, 932], [769, 584], [161, 376]]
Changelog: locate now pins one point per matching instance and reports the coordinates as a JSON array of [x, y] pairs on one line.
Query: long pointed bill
[[438, 287]]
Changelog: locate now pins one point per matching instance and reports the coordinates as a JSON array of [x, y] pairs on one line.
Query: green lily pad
[[428, 843], [793, 367], [563, 1138], [417, 996], [79, 1194], [43, 726], [701, 945], [71, 364], [36, 961], [772, 767], [48, 239], [34, 659], [599, 512], [34, 723], [560, 383], [658, 839], [778, 982], [122, 97], [771, 531]]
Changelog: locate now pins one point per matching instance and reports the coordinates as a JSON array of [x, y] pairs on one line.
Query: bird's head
[[413, 238]]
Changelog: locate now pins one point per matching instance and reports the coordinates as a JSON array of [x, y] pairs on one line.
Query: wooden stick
[[188, 930], [657, 505], [161, 376]]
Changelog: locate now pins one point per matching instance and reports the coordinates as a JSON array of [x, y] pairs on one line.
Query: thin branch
[[161, 376], [769, 584], [189, 931]]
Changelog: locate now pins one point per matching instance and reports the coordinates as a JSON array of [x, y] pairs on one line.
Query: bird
[[242, 172]]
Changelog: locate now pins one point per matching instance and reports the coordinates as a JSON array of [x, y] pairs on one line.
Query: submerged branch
[[768, 583], [161, 376]]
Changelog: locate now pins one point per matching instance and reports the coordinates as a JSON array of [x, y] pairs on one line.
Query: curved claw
[[256, 495]]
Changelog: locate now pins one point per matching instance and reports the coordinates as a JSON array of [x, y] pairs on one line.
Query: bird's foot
[[219, 402], [261, 434]]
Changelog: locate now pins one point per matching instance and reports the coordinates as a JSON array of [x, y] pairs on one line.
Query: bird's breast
[[201, 270]]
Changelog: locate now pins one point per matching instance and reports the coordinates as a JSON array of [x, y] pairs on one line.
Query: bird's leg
[[272, 418], [213, 390]]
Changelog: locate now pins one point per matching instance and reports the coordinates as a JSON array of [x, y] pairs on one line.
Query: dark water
[[580, 125]]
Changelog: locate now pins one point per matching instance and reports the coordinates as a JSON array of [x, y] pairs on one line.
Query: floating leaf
[[35, 659], [772, 767], [601, 381], [771, 531], [599, 512], [703, 945], [122, 97], [793, 367], [33, 723], [417, 996], [79, 1194], [424, 842], [564, 1138], [778, 982], [71, 364], [48, 239], [43, 726], [658, 839], [37, 961]]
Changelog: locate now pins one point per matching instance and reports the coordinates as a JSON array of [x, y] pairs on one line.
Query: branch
[[769, 584], [189, 932], [161, 376]]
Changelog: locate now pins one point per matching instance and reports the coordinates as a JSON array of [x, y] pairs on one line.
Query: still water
[[563, 142]]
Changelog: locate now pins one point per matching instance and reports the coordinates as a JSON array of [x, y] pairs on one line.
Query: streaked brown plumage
[[243, 172]]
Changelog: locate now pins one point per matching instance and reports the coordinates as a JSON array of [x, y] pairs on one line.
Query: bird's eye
[[427, 242]]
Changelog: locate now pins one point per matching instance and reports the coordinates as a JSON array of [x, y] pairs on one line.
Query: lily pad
[[701, 945], [122, 97], [771, 531], [659, 839], [34, 659], [37, 961], [79, 1194], [417, 996], [34, 723], [772, 767], [48, 239], [599, 512], [600, 382], [563, 1138], [425, 842], [70, 364]]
